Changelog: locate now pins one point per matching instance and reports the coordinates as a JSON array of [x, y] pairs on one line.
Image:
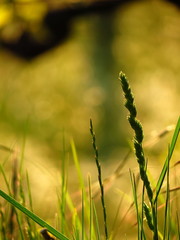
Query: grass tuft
[[150, 213], [161, 225], [34, 217]]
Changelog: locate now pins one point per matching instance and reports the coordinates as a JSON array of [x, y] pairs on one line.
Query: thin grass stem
[[99, 178], [90, 210]]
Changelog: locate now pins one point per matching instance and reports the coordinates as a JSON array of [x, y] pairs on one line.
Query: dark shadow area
[[58, 25]]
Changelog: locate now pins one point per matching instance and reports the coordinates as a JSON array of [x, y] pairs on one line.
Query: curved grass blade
[[34, 217], [164, 170]]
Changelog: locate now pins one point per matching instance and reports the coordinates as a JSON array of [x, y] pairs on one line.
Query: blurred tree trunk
[[104, 68]]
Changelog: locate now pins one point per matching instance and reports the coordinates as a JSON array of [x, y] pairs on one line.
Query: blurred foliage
[[62, 88], [78, 79], [14, 12], [29, 28]]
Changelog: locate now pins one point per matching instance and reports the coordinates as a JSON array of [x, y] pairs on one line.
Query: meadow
[[67, 149], [157, 217]]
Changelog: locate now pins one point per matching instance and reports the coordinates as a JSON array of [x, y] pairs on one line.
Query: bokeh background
[[59, 66]]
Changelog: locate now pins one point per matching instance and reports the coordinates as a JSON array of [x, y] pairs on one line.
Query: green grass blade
[[82, 216], [26, 126], [29, 192], [91, 232], [166, 226], [76, 226], [32, 226], [81, 181], [96, 222], [34, 217], [142, 215], [5, 179], [78, 168], [64, 166], [133, 183], [164, 170]]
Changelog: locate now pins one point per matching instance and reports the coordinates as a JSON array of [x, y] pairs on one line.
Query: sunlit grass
[[84, 221]]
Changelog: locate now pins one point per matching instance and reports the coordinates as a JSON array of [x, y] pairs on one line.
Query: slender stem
[[154, 216], [99, 178]]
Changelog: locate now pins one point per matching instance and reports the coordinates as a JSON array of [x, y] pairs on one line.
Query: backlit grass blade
[[164, 170], [64, 167], [90, 210], [133, 183], [34, 217], [78, 168], [81, 181], [82, 216], [96, 222], [166, 220]]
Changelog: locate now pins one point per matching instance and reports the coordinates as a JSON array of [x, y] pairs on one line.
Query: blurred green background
[[59, 90]]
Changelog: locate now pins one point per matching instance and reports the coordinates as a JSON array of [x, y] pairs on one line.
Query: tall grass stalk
[[63, 185], [99, 178], [167, 206], [138, 141], [133, 183], [91, 232], [139, 152], [138, 130]]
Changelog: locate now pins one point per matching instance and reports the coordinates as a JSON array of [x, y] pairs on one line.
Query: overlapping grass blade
[[164, 170], [166, 225], [31, 225], [76, 161], [96, 222], [34, 217], [85, 210], [90, 210], [62, 203], [10, 193], [133, 182]]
